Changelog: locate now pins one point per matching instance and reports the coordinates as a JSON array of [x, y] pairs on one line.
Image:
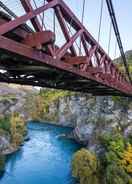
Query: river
[[44, 159]]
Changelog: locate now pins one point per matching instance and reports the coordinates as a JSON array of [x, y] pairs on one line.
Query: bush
[[116, 175], [113, 142], [2, 163], [17, 130], [84, 167], [5, 123], [117, 160], [126, 161]]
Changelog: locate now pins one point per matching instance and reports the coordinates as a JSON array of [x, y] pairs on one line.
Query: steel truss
[[32, 58]]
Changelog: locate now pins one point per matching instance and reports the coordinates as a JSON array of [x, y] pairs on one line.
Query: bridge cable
[[82, 20], [54, 28], [2, 5], [43, 17], [100, 23], [100, 19], [115, 51], [117, 33], [109, 42], [12, 14]]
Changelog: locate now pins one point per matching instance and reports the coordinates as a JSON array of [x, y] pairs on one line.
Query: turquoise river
[[44, 159]]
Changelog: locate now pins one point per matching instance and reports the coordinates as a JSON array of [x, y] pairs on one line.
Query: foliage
[[113, 142], [116, 175], [8, 97], [13, 125], [38, 105], [2, 163], [117, 160], [84, 167], [120, 100], [116, 98], [17, 130], [5, 123], [126, 161]]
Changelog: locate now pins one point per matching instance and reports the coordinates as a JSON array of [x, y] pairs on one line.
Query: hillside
[[119, 61]]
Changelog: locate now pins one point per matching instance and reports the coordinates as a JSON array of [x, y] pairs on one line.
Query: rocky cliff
[[13, 98], [12, 104], [89, 115]]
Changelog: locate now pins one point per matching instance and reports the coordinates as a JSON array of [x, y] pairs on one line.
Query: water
[[45, 159]]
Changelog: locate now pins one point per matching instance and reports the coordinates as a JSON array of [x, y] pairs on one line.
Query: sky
[[123, 10]]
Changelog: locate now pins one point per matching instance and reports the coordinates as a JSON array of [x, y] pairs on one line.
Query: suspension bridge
[[31, 55]]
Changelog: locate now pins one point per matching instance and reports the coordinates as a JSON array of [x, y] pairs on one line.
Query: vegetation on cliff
[[85, 167], [129, 61], [115, 164], [2, 163], [13, 125], [38, 105], [14, 128]]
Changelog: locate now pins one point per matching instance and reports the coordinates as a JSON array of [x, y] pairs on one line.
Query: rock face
[[91, 116], [4, 142], [13, 98]]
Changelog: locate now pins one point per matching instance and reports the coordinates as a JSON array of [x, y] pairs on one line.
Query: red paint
[[95, 66]]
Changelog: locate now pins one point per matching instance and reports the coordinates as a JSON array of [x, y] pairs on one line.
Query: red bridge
[[29, 54]]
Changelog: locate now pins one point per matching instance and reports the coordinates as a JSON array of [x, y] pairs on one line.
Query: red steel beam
[[28, 8], [62, 51], [36, 24], [76, 60], [106, 73], [37, 39], [21, 20], [64, 28], [31, 54], [77, 25]]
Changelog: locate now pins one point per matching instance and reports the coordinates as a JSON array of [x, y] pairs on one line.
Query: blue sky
[[123, 9]]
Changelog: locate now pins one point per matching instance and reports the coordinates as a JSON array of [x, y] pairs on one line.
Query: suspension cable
[[8, 10], [54, 28], [100, 19], [116, 30], [12, 14], [83, 11], [43, 17], [109, 42], [115, 51]]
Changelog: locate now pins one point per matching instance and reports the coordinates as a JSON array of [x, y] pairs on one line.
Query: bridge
[[29, 54]]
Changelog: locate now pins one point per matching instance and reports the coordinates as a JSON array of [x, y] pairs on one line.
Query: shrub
[[118, 159], [2, 163], [116, 175], [126, 161], [5, 123], [84, 167], [113, 142], [17, 130]]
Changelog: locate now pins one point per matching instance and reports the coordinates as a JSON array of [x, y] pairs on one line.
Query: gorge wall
[[89, 115]]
